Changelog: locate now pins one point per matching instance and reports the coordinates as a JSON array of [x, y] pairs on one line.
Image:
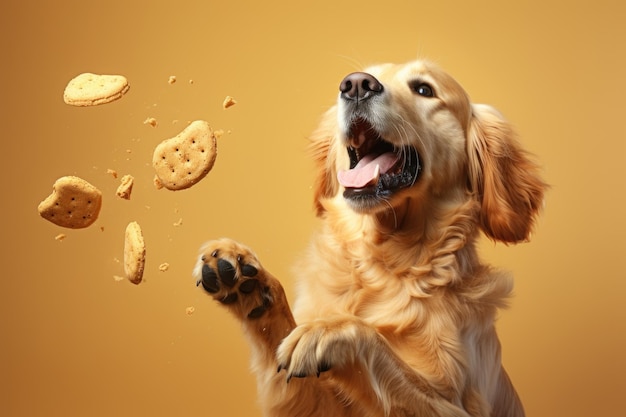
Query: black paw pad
[[229, 299], [209, 279], [248, 286], [257, 312], [249, 270], [227, 272]]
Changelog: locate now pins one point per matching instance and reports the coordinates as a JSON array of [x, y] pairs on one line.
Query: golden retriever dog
[[395, 313]]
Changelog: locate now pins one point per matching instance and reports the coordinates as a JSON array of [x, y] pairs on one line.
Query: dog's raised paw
[[232, 274], [321, 345]]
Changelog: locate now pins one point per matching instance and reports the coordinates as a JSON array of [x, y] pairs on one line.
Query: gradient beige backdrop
[[75, 342]]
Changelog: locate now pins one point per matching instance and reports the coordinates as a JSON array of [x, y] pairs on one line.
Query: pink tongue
[[365, 171]]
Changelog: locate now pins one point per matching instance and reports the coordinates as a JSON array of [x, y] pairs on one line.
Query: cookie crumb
[[190, 310], [228, 102], [172, 79], [164, 267], [126, 187], [178, 223], [60, 236], [157, 182], [151, 121], [112, 172]]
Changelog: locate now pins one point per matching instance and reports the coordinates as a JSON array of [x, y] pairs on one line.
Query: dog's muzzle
[[378, 168]]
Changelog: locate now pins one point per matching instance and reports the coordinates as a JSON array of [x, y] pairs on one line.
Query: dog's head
[[409, 132]]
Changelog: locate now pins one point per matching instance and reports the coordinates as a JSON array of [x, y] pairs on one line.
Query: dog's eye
[[422, 88]]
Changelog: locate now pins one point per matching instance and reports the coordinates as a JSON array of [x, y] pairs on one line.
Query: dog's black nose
[[359, 86]]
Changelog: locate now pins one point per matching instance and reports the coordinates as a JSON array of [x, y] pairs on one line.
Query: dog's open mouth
[[377, 167]]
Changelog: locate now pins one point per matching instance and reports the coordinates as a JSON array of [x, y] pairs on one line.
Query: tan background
[[74, 342]]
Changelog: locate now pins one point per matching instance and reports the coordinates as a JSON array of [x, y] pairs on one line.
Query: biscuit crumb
[[151, 121], [172, 79], [126, 187], [157, 182], [218, 133], [117, 278], [229, 102], [179, 222], [164, 267], [112, 172], [190, 81], [60, 236], [190, 310]]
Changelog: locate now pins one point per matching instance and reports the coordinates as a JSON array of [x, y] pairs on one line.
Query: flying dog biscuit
[[185, 159], [134, 253], [74, 203], [89, 89]]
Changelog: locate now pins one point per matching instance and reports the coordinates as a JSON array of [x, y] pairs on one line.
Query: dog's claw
[[323, 367]]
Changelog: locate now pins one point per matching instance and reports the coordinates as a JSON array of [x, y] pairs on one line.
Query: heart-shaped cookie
[[74, 203]]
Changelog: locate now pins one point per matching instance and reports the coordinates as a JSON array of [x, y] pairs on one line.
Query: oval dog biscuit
[[134, 253], [89, 89], [185, 159], [74, 203]]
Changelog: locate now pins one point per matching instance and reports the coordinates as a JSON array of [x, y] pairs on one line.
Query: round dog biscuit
[[89, 89], [185, 159], [74, 203], [134, 253]]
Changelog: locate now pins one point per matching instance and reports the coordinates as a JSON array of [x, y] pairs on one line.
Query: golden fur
[[395, 313]]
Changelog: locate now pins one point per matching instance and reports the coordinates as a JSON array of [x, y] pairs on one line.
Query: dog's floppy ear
[[325, 183], [503, 177]]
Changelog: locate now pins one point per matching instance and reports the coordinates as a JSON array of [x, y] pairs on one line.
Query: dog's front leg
[[231, 273], [233, 276]]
